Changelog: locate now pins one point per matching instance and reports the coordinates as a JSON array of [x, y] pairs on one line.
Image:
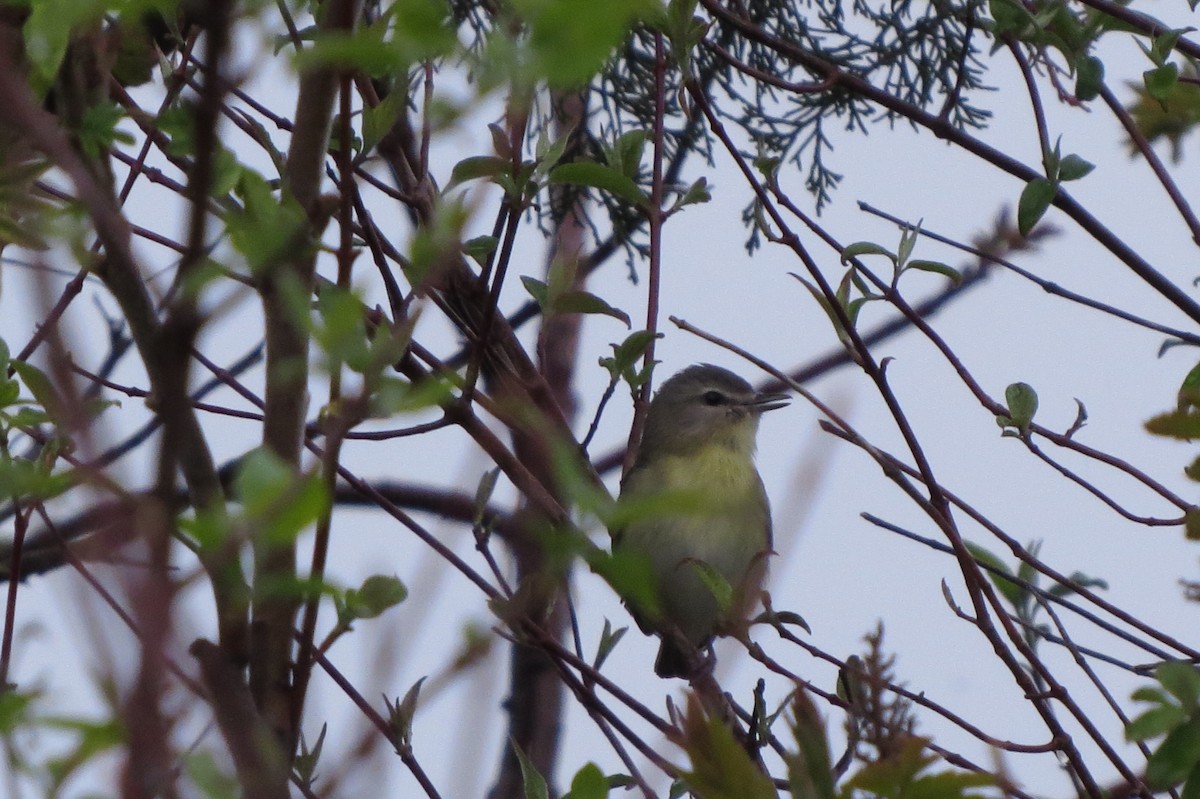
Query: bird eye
[[714, 398]]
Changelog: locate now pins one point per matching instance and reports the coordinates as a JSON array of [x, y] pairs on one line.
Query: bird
[[698, 447]]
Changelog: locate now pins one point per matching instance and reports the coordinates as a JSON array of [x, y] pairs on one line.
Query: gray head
[[704, 404]]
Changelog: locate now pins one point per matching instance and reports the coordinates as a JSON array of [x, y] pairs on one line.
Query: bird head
[[704, 405]]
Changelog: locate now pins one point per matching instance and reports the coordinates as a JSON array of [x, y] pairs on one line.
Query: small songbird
[[699, 442]]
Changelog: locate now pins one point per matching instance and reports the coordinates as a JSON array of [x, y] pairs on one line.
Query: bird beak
[[768, 402]]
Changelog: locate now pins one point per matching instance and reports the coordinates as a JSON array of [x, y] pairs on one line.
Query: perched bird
[[698, 445]]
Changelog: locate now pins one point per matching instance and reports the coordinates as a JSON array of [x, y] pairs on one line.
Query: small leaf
[[1011, 591], [865, 248], [307, 759], [696, 193], [1181, 424], [501, 142], [400, 717], [1022, 404], [537, 289], [1089, 78], [587, 303], [588, 783], [1035, 199], [1160, 81], [626, 154], [376, 594], [478, 166], [535, 783], [1078, 580], [908, 240], [1191, 523], [1183, 682], [810, 773], [609, 638], [629, 352], [1149, 693], [715, 582], [598, 176], [1073, 167], [483, 494], [39, 386], [378, 121], [480, 248], [937, 267]]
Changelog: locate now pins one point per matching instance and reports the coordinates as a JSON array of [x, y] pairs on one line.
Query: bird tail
[[672, 661]]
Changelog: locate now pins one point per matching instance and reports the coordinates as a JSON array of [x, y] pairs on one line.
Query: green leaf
[[400, 716], [936, 267], [1072, 167], [587, 303], [480, 248], [1176, 757], [698, 192], [394, 396], [47, 32], [549, 153], [1191, 788], [908, 240], [1189, 389], [98, 130], [1182, 680], [598, 176], [810, 773], [534, 782], [1089, 78], [376, 594], [948, 785], [538, 290], [721, 767], [307, 758], [209, 777], [891, 776], [1181, 424], [859, 248], [483, 494], [1035, 199], [625, 155], [267, 230], [1078, 580], [1160, 81], [278, 501], [588, 783], [378, 121], [1149, 693], [570, 40], [1022, 404], [341, 328], [627, 354], [1155, 722], [715, 582], [1191, 523], [40, 387], [631, 577], [411, 31], [14, 709], [478, 166], [609, 638], [1014, 593]]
